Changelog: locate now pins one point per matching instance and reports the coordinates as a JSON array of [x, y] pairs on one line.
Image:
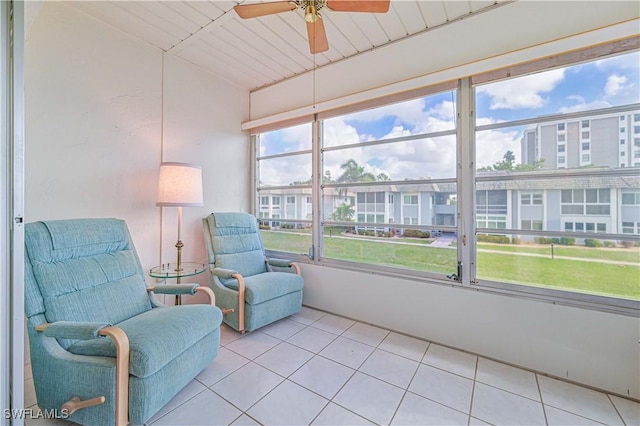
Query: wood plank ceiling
[[257, 52]]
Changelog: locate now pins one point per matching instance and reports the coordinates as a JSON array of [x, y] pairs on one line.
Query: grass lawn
[[603, 253], [584, 276]]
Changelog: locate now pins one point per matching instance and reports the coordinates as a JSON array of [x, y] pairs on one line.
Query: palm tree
[[353, 172]]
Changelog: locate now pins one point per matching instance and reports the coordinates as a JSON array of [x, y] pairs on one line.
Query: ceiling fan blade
[[317, 36], [261, 9], [371, 6]]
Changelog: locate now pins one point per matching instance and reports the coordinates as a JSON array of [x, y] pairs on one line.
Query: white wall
[[93, 131]]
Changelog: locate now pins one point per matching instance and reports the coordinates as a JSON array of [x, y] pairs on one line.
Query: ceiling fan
[[315, 27]]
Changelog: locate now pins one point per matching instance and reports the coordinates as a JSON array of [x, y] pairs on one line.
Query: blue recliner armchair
[[103, 349], [251, 290]]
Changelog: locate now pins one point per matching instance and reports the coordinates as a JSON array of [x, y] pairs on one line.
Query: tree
[[508, 164], [344, 213], [382, 177], [353, 172], [537, 165]]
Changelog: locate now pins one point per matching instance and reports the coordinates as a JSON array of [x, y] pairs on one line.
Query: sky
[[598, 84]]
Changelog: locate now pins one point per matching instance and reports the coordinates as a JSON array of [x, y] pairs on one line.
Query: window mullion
[[255, 173], [316, 172], [465, 174]]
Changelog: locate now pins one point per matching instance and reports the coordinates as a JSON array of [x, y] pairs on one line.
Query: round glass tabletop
[[170, 270]]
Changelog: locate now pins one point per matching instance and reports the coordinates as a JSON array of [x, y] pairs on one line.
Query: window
[[577, 200], [531, 225], [390, 183], [636, 117], [636, 129], [387, 228], [283, 169], [622, 130], [631, 228], [636, 142], [528, 199], [410, 200], [631, 198], [586, 201]]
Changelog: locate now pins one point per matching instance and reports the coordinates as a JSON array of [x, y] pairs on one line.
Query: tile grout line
[[473, 389]]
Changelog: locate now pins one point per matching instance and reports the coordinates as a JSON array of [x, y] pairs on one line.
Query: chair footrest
[[75, 404]]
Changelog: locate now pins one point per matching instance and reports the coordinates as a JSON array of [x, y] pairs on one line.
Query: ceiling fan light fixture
[[311, 14]]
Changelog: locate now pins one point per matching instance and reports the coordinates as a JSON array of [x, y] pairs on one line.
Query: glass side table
[[170, 271]]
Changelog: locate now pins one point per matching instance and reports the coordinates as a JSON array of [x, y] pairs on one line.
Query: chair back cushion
[[83, 270], [235, 243]]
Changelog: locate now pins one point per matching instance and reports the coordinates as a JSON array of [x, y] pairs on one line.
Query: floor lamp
[[180, 185]]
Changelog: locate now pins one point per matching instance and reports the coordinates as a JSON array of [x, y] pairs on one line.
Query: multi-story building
[[584, 142], [579, 196]]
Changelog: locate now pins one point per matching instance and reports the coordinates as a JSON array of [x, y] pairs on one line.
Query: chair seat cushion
[[157, 336], [267, 286]]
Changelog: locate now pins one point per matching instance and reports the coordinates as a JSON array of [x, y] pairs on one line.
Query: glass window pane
[[281, 171], [559, 159], [409, 160], [286, 236], [418, 116], [546, 92], [562, 263], [290, 139]]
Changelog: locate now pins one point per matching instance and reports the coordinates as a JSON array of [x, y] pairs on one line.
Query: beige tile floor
[[322, 369]]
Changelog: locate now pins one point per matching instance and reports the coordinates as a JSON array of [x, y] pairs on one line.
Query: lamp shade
[[180, 185]]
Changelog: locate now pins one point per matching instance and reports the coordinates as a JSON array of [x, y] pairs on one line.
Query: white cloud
[[615, 83], [523, 92], [492, 144]]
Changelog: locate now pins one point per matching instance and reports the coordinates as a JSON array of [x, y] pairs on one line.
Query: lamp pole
[[179, 245]]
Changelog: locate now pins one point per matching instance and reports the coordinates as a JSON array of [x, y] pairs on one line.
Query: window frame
[[466, 130]]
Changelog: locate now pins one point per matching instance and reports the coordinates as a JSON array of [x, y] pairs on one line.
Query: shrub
[[516, 240], [628, 244], [592, 242], [542, 240], [267, 227], [416, 233], [498, 239], [609, 243], [567, 241]]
